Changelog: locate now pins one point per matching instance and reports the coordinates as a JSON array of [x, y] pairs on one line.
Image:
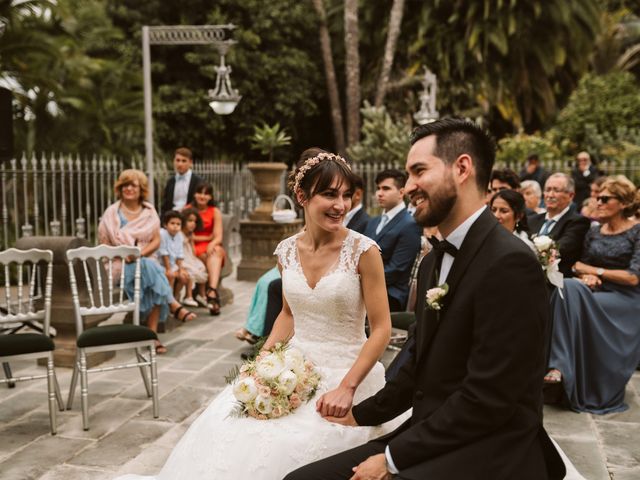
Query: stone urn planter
[[266, 178]]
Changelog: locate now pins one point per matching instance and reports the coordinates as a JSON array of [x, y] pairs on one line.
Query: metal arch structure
[[216, 35]]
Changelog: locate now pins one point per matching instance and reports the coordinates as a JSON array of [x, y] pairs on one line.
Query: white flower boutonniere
[[435, 296]]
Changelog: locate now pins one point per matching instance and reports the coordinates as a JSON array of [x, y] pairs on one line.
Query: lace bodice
[[329, 318]]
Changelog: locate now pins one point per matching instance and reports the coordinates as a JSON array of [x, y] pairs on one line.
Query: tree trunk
[[352, 67], [330, 74], [395, 20]]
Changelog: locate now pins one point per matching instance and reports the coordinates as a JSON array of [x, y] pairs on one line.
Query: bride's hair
[[313, 177]]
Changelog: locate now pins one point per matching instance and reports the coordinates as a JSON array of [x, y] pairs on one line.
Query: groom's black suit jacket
[[474, 374]]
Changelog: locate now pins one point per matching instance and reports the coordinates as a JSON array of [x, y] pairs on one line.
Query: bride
[[331, 278]]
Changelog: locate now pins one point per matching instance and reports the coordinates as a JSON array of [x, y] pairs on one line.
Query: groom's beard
[[440, 204]]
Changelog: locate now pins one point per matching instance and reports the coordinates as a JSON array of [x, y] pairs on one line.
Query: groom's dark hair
[[457, 136]]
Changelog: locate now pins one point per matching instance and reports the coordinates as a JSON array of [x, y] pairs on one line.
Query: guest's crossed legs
[[339, 466]]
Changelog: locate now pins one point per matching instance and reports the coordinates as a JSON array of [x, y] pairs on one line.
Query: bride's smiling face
[[328, 207]]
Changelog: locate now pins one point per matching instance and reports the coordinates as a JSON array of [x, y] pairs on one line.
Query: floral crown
[[313, 161]]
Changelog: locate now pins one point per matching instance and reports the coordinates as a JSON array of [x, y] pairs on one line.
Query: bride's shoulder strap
[[358, 244], [286, 251]]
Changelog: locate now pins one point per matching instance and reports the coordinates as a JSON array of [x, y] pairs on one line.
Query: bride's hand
[[335, 403], [348, 420]]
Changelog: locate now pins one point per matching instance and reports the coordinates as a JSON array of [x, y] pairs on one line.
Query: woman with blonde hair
[[133, 221], [595, 345]]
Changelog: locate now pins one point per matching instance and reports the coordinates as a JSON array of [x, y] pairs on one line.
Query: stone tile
[[212, 377], [51, 451], [560, 421], [180, 347], [194, 362], [122, 445], [23, 432], [149, 462], [620, 444], [20, 403], [625, 473], [180, 403], [105, 418], [69, 472], [227, 342], [167, 381], [632, 414], [585, 456]]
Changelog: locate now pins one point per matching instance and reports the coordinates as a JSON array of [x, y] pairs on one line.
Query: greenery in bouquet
[[274, 383]]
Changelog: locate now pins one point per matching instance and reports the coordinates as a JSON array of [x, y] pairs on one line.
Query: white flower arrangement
[[435, 295], [275, 383], [549, 258]]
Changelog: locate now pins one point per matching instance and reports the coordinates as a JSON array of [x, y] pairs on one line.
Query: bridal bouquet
[[549, 258], [275, 383]]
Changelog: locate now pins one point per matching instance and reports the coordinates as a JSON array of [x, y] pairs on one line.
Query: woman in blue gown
[[595, 346]]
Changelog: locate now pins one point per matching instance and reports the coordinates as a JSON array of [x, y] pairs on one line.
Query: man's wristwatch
[[599, 272]]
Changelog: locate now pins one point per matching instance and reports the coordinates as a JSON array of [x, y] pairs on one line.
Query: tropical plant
[[267, 139], [514, 149]]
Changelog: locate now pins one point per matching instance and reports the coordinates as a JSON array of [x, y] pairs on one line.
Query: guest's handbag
[[286, 215]]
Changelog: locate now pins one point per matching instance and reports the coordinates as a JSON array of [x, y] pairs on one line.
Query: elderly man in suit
[[397, 235], [181, 187], [357, 218], [560, 222], [473, 376]]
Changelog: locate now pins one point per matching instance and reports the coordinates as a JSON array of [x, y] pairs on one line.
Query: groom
[[473, 377]]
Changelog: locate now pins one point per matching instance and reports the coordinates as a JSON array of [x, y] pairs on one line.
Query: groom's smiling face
[[430, 185]]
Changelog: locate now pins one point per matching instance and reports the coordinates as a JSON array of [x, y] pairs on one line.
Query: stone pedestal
[[266, 181], [259, 240], [62, 315]]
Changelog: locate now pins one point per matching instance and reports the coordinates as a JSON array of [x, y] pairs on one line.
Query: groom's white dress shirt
[[455, 238]]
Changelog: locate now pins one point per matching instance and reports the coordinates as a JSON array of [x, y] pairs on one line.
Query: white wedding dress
[[329, 330]]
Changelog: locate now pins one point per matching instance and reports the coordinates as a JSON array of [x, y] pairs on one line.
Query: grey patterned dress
[[596, 334]]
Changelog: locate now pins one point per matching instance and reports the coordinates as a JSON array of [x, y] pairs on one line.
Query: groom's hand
[[373, 468], [348, 420], [335, 403]]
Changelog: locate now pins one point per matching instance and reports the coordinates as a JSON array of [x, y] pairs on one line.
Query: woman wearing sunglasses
[[595, 345]]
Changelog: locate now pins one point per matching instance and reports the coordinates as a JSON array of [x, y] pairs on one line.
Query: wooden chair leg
[[154, 381], [84, 390]]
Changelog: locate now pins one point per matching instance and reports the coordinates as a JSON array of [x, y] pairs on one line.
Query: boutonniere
[[435, 296]]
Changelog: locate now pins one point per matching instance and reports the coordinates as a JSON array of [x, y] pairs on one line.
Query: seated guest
[[508, 206], [595, 346], [561, 223], [502, 179], [207, 243], [357, 218], [181, 187], [194, 266], [397, 235], [134, 222], [532, 193], [254, 326], [590, 205], [533, 170], [171, 251]]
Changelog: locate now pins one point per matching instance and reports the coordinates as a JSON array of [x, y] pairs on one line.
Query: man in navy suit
[[397, 234], [357, 218], [181, 187]]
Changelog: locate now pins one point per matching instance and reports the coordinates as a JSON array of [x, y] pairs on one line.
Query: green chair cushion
[[115, 334], [21, 343], [402, 320]]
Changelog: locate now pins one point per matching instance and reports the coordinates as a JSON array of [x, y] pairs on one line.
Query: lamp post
[[223, 98], [428, 112]]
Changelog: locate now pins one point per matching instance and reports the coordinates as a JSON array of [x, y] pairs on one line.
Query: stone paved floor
[[125, 438]]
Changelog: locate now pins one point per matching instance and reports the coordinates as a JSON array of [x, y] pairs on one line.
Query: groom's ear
[[463, 168]]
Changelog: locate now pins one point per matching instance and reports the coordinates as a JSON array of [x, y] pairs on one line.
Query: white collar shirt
[[181, 190]]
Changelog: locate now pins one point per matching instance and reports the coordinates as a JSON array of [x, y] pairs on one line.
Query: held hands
[[590, 281], [373, 468], [335, 403], [347, 420]]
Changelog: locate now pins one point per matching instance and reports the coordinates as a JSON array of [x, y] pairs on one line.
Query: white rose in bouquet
[[270, 366], [287, 381], [294, 360], [263, 404], [542, 243], [245, 390]]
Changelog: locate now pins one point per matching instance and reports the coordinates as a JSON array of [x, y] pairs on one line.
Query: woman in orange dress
[[208, 244]]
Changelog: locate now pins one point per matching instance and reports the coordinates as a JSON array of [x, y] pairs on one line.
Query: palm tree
[[352, 70]]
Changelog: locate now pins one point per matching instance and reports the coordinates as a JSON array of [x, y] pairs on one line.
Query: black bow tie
[[442, 246]]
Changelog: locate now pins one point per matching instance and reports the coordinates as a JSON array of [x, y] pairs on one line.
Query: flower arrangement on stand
[[549, 258], [275, 383]]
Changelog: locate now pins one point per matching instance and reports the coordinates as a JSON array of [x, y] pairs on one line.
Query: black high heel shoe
[[213, 303]]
